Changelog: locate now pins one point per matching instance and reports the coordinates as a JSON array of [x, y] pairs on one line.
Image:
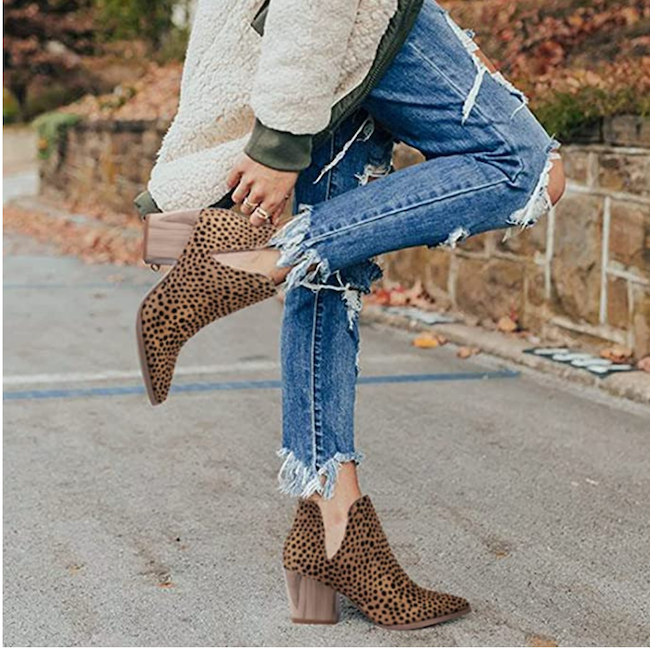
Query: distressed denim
[[487, 163], [320, 336]]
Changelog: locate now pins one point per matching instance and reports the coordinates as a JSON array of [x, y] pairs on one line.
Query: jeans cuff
[[298, 479]]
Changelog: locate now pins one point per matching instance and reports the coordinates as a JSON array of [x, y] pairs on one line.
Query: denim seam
[[313, 240], [476, 107], [315, 353], [328, 188]]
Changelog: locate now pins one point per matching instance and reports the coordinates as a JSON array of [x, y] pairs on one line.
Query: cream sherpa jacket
[[312, 54]]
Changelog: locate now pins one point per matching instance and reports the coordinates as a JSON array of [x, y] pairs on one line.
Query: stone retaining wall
[[582, 274], [107, 162]]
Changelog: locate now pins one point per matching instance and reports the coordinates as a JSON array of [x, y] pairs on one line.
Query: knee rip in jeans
[[539, 201], [374, 171], [527, 216], [466, 37], [310, 270]]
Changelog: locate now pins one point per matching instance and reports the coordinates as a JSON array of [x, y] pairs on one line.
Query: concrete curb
[[630, 385]]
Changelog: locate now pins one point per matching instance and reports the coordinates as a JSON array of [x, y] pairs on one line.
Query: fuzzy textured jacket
[[269, 95]]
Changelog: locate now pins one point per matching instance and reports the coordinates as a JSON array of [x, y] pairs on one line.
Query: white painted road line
[[199, 370]]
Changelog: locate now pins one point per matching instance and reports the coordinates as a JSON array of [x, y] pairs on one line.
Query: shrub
[[51, 127]]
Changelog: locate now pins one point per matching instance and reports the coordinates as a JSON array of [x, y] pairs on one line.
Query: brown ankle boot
[[364, 569], [197, 291]]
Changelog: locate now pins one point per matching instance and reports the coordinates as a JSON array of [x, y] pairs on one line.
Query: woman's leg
[[488, 161], [320, 340]]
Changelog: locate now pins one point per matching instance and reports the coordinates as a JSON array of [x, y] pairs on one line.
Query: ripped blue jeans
[[487, 167]]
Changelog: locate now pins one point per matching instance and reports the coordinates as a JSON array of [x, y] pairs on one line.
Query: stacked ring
[[265, 215]]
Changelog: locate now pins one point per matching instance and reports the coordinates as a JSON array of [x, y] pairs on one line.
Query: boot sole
[[142, 356], [313, 602], [429, 622]]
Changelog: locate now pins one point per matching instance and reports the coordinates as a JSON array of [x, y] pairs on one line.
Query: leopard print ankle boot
[[197, 291], [364, 569]]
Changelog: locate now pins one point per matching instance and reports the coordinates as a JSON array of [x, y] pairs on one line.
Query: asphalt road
[[132, 526]]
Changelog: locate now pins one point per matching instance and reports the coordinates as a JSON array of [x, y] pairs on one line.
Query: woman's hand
[[260, 186]]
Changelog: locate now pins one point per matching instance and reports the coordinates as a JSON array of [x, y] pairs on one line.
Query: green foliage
[[51, 128], [10, 107], [174, 46], [44, 45], [574, 116], [149, 20]]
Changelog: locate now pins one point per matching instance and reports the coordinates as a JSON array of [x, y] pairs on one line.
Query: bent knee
[[556, 181]]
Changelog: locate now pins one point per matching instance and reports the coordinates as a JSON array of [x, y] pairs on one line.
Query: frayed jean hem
[[298, 479]]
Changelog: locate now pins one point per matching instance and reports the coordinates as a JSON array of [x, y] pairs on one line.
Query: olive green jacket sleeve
[[279, 149]]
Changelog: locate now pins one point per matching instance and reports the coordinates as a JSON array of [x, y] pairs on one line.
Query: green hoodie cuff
[[145, 204], [279, 150]]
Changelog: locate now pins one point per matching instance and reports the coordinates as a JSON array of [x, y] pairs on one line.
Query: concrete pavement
[[132, 526]]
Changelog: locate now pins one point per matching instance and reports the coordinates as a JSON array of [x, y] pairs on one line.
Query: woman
[[328, 88]]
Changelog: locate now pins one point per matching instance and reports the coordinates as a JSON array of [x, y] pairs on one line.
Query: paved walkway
[[132, 526]]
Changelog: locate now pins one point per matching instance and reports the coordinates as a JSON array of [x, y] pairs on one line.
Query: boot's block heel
[[166, 234], [310, 601]]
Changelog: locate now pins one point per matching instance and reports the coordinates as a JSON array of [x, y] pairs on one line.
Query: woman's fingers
[[241, 191], [263, 204], [233, 177], [275, 218], [265, 212], [253, 199]]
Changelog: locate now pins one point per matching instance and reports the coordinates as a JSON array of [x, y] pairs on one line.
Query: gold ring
[[249, 204], [265, 214]]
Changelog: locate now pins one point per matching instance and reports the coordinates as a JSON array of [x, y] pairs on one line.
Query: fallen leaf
[[427, 340], [379, 297], [466, 352], [617, 354], [644, 364], [506, 324], [398, 298], [540, 640]]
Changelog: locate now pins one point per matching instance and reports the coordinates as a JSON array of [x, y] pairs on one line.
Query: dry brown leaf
[[644, 364], [540, 640], [466, 352], [617, 354], [379, 297], [506, 324], [428, 340], [398, 298]]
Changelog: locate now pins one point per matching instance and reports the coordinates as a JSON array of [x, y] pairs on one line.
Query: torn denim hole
[[366, 129], [458, 235], [351, 296], [466, 38], [289, 239], [297, 479], [539, 202], [374, 171]]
